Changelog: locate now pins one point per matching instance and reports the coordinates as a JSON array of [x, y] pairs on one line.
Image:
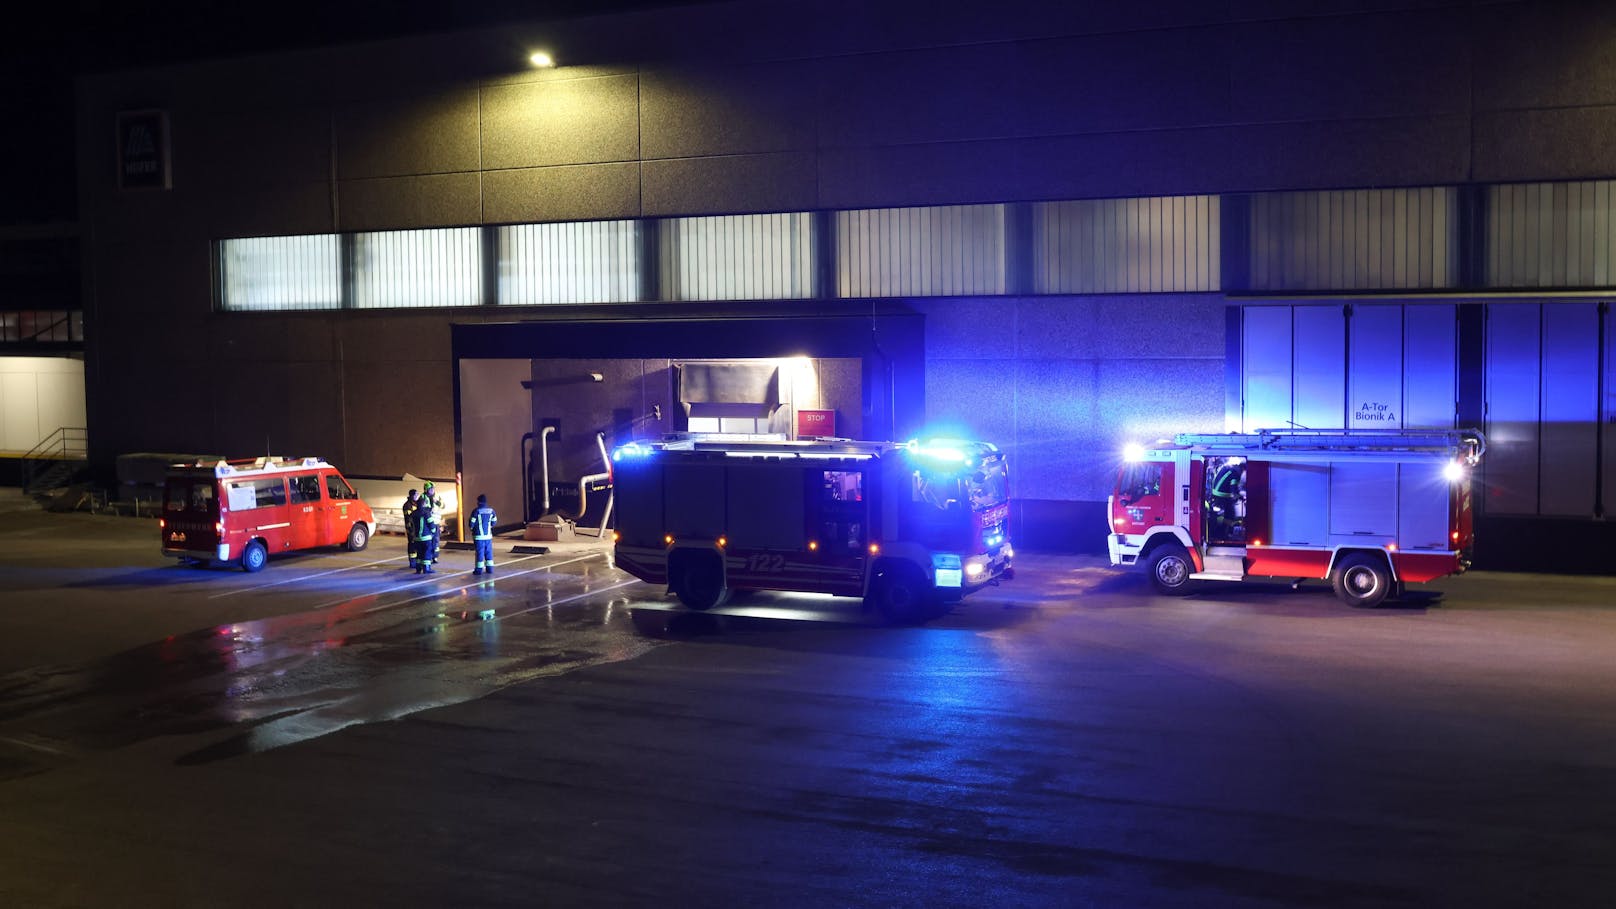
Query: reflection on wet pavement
[[363, 659]]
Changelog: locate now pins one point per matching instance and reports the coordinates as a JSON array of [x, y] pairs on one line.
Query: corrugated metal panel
[[737, 257], [588, 262], [263, 274], [920, 252], [1551, 234], [1161, 244], [1365, 239], [418, 268]]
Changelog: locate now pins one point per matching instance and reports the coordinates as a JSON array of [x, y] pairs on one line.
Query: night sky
[[48, 46]]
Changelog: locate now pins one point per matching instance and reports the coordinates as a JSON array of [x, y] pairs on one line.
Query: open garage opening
[[534, 432]]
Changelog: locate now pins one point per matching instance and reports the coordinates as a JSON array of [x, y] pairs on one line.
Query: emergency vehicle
[[243, 511], [909, 527], [1369, 510]]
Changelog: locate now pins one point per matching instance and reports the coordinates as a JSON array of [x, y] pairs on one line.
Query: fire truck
[[244, 511], [1369, 510], [909, 527]]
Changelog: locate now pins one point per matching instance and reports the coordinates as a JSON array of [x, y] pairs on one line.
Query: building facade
[[1060, 227]]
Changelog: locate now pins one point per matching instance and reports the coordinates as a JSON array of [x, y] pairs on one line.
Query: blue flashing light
[[632, 450], [940, 449], [1133, 451]]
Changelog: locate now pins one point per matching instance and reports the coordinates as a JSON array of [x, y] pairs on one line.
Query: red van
[[244, 510]]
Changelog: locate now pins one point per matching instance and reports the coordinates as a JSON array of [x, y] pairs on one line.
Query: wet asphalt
[[337, 730]]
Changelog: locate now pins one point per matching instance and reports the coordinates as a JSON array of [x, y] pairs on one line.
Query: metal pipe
[[544, 467]]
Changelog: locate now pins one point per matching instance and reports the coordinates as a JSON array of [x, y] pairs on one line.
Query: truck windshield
[[988, 486]]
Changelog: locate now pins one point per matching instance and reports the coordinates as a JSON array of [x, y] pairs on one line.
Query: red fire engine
[[1370, 510], [908, 527], [246, 510]]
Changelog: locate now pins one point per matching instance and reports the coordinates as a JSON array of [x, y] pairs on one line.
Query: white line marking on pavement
[[445, 592], [306, 577]]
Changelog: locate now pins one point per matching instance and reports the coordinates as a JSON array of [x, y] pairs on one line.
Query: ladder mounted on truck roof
[[1466, 443]]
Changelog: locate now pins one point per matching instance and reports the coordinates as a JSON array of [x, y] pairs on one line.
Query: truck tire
[[254, 557], [699, 582], [1361, 579], [900, 594], [1170, 568], [358, 537]]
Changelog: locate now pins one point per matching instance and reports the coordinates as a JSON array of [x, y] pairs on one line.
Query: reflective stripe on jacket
[[482, 523]]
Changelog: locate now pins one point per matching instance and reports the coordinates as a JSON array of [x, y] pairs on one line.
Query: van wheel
[[899, 593], [1361, 580], [1170, 569], [700, 582], [254, 557], [358, 538]]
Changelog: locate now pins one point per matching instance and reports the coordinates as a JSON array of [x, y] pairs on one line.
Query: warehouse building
[[1060, 227]]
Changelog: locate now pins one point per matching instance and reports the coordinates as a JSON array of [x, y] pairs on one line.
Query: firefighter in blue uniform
[[412, 504], [482, 521], [426, 535]]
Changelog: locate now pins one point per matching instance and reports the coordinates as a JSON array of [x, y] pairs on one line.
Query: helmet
[[482, 500], [427, 485]]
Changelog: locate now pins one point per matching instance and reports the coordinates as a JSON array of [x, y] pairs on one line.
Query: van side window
[[305, 488], [337, 488], [249, 494]]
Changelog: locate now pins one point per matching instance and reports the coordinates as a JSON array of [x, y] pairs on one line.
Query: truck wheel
[[358, 537], [1170, 569], [700, 583], [254, 557], [900, 594], [1361, 580]]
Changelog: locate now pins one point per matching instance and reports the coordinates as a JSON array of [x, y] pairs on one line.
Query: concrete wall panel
[[1410, 64], [860, 26], [932, 95], [1144, 80], [385, 417], [970, 327], [1544, 55], [938, 174], [1348, 153], [393, 203], [1546, 144], [274, 146], [1121, 327], [405, 136], [972, 398], [581, 121], [258, 210], [729, 185], [582, 192], [742, 110], [1057, 408]]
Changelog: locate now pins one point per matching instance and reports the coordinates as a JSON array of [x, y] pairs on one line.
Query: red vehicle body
[[905, 526], [243, 511], [1370, 510]]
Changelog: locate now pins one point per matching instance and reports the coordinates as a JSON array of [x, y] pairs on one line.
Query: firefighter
[[412, 504], [482, 531], [430, 493], [426, 536]]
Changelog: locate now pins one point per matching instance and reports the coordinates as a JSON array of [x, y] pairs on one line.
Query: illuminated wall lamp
[[541, 59]]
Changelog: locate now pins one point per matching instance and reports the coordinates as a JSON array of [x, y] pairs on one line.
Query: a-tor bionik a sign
[[143, 150]]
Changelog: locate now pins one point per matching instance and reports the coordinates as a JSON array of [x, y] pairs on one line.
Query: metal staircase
[[56, 461]]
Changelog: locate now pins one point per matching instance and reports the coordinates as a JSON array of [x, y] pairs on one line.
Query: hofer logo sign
[[143, 150]]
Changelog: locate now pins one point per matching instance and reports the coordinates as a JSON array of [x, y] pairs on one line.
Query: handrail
[[63, 439], [66, 444]]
